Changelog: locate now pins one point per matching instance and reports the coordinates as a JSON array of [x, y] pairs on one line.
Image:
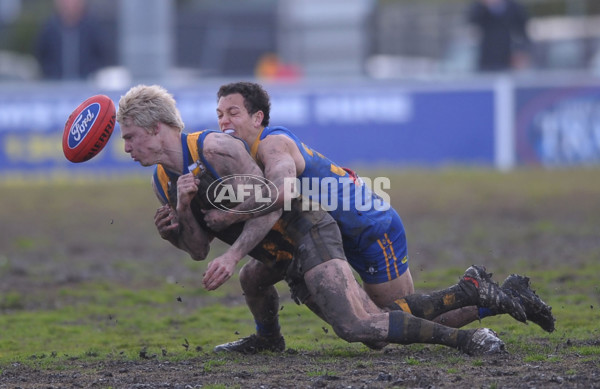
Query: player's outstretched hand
[[218, 271]]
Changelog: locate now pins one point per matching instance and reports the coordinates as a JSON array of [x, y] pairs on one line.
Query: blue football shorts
[[385, 259]]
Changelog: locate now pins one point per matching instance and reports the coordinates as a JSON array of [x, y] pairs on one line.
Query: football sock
[[485, 312], [407, 329], [429, 306], [267, 330]]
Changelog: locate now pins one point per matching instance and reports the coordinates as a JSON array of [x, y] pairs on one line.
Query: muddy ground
[[385, 369], [459, 230]]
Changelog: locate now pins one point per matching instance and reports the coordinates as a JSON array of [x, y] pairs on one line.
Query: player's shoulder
[[276, 141], [217, 142], [203, 134], [279, 134], [277, 130], [214, 137], [204, 138]]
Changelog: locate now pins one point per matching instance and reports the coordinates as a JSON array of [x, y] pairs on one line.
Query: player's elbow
[[199, 253], [197, 257]]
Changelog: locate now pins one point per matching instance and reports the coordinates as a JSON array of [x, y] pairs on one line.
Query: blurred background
[[500, 83], [191, 39]]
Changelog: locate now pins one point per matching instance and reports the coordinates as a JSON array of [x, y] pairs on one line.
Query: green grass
[[412, 361], [129, 295], [103, 321]]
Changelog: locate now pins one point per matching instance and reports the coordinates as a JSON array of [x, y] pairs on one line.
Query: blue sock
[[267, 330], [485, 312]]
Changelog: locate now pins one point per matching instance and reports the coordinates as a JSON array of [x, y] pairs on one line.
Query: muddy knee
[[248, 282], [256, 278]]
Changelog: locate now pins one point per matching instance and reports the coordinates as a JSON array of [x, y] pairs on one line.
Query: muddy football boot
[[490, 295], [483, 341], [537, 311], [253, 344]]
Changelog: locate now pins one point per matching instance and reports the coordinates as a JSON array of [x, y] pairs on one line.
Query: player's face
[[142, 146], [234, 119]]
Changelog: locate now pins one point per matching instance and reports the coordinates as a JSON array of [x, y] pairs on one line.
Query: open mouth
[[229, 131]]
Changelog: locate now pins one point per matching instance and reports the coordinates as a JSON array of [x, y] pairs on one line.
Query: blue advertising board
[[370, 126], [395, 127], [558, 126]]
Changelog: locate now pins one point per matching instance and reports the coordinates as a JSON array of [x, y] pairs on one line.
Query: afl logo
[[82, 124], [233, 190]]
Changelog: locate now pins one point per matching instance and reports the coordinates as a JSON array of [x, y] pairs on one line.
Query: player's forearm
[[272, 199], [192, 238], [253, 233]]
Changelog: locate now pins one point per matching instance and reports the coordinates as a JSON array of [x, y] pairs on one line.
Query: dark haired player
[[373, 235]]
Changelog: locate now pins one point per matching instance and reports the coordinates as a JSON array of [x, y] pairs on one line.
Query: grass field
[[91, 296]]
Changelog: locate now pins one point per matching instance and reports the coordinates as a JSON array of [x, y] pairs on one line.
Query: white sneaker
[[484, 342]]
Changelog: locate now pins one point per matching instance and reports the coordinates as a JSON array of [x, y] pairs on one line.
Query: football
[[88, 128]]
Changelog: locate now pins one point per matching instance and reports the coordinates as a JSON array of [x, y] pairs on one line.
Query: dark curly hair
[[255, 98]]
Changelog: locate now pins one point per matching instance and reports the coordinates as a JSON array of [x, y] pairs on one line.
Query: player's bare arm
[[229, 156], [281, 160], [191, 235]]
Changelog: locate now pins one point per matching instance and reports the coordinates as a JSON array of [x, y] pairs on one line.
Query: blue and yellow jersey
[[193, 162], [362, 215], [275, 250]]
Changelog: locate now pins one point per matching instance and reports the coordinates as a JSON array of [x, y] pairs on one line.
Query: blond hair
[[147, 105]]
